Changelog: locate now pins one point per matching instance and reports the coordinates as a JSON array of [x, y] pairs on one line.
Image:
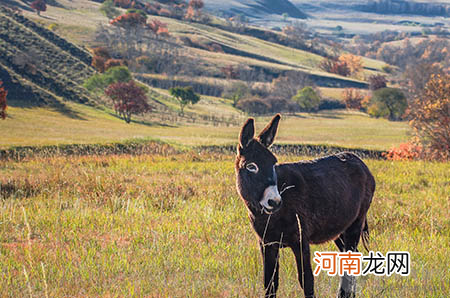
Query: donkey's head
[[256, 178]]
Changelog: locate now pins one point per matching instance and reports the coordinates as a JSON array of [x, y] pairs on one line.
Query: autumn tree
[[353, 98], [194, 9], [307, 99], [353, 63], [431, 117], [184, 96], [377, 82], [39, 5], [128, 99], [3, 105]]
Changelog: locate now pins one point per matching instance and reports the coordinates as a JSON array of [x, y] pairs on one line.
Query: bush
[[307, 99], [98, 82], [377, 82], [236, 92], [388, 103], [405, 151], [331, 104], [353, 98], [255, 106]]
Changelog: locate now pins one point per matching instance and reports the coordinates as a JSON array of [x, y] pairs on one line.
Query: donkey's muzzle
[[271, 201]]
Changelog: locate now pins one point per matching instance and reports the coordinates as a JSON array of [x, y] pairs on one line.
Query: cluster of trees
[[344, 65], [170, 8], [389, 103], [3, 105], [128, 97]]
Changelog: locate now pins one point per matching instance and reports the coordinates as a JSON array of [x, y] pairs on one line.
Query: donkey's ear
[[247, 133], [267, 135]]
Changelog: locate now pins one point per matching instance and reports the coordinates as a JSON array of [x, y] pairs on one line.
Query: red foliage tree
[[129, 20], [98, 63], [339, 67], [3, 105], [158, 27], [377, 82], [39, 5], [128, 99]]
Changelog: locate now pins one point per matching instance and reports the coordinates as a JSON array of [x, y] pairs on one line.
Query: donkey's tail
[[365, 236]]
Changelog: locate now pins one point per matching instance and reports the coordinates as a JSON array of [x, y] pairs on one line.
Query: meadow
[[172, 225], [81, 124]]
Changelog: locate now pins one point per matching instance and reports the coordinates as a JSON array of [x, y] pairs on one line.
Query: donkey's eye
[[252, 167]]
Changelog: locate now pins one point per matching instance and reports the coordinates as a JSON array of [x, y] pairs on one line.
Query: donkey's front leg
[[270, 254], [305, 275]]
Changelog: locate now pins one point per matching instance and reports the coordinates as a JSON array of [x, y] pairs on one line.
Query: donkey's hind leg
[[350, 238]]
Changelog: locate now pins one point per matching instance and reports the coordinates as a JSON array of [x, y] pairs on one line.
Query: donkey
[[297, 204]]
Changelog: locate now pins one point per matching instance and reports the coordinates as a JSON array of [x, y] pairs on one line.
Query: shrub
[[377, 82], [3, 105], [388, 103], [114, 62], [307, 99], [98, 82], [129, 20], [236, 92], [353, 98], [98, 63], [128, 99], [405, 151], [331, 104], [108, 9], [255, 106]]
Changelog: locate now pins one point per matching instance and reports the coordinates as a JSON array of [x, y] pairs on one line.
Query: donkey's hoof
[[344, 294]]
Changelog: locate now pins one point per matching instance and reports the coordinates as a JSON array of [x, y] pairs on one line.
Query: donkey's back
[[330, 193]]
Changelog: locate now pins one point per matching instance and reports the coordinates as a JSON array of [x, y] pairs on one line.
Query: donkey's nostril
[[272, 203]]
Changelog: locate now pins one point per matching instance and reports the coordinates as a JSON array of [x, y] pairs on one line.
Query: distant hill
[[37, 66], [385, 7], [255, 8]]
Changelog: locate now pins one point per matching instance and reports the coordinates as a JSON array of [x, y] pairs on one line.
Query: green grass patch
[[173, 226]]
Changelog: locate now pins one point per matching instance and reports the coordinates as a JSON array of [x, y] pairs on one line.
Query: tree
[[128, 98], [98, 82], [307, 99], [39, 5], [129, 20], [431, 117], [3, 105], [388, 102], [353, 98], [109, 10], [353, 63], [184, 96], [377, 82]]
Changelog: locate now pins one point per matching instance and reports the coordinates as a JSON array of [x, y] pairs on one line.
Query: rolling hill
[[38, 66]]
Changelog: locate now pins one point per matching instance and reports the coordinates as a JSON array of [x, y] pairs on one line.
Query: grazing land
[[81, 124], [174, 226]]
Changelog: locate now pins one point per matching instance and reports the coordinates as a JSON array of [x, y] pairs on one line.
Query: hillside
[[259, 9], [38, 66]]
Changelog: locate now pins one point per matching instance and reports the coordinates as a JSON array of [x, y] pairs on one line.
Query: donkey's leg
[[340, 243], [305, 275], [270, 255], [351, 236]]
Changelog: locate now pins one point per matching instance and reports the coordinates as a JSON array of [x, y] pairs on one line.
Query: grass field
[[82, 124], [174, 227]]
